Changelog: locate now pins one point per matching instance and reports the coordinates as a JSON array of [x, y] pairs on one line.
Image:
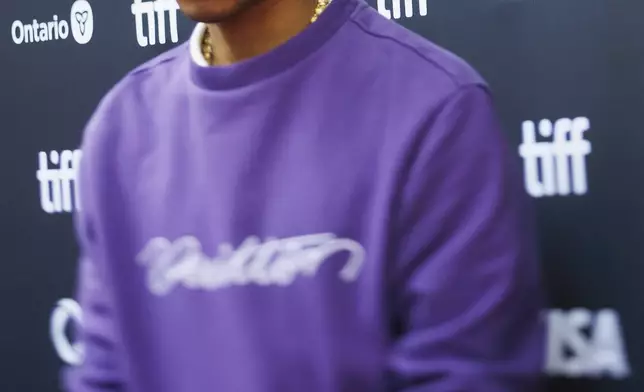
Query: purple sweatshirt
[[338, 215]]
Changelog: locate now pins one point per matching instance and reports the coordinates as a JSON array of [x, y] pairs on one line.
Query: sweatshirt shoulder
[[158, 69], [132, 93], [409, 54], [130, 101]]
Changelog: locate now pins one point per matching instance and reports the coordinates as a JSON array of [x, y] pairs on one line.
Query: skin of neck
[[258, 29]]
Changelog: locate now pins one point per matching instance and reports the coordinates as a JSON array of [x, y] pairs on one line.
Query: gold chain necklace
[[206, 42]]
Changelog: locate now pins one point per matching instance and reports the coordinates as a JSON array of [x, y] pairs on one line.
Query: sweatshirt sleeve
[[467, 292], [99, 370]]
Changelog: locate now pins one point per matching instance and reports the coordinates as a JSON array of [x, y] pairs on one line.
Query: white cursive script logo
[[273, 262]]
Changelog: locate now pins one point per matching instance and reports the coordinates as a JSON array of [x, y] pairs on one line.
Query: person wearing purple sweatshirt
[[305, 197]]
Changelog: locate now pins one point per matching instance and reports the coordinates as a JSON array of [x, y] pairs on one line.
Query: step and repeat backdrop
[[568, 76]]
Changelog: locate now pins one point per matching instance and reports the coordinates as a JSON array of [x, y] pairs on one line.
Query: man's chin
[[204, 12]]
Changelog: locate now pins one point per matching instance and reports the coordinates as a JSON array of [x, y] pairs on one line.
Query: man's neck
[[259, 29]]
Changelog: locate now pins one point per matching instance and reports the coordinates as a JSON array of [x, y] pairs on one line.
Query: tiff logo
[[58, 185], [395, 11], [556, 167], [583, 343], [155, 10]]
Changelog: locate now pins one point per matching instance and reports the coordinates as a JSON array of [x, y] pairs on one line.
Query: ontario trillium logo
[[66, 313], [35, 30], [82, 21]]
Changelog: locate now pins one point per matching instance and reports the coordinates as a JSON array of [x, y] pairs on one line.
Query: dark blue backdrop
[[568, 76]]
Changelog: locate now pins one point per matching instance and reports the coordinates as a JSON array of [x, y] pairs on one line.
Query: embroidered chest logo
[[272, 262]]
